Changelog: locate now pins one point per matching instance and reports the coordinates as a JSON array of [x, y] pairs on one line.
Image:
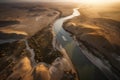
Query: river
[[87, 66]]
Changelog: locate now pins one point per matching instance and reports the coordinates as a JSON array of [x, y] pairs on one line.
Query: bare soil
[[98, 33]]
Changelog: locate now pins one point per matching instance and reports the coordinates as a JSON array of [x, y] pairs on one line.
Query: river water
[[87, 68]]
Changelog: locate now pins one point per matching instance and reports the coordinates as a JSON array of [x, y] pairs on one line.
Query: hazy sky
[[32, 0], [98, 1], [59, 0]]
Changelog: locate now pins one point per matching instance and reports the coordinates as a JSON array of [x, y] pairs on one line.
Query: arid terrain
[[29, 49], [26, 50], [98, 30]]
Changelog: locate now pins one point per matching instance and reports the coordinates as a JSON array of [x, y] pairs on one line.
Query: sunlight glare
[[96, 1]]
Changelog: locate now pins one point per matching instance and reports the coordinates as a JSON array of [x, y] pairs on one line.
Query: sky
[[34, 0], [98, 1], [89, 1]]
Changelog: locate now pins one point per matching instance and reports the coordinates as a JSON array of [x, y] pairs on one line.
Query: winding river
[[87, 66]]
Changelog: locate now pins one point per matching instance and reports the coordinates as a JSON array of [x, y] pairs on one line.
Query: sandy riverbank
[[99, 34]]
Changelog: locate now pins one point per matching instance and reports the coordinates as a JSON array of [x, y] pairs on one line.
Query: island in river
[[97, 31]]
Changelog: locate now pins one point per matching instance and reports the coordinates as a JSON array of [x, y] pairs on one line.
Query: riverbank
[[23, 20], [46, 59], [99, 35], [49, 61], [20, 22]]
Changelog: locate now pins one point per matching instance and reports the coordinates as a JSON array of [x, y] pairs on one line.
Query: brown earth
[[31, 21], [99, 32]]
